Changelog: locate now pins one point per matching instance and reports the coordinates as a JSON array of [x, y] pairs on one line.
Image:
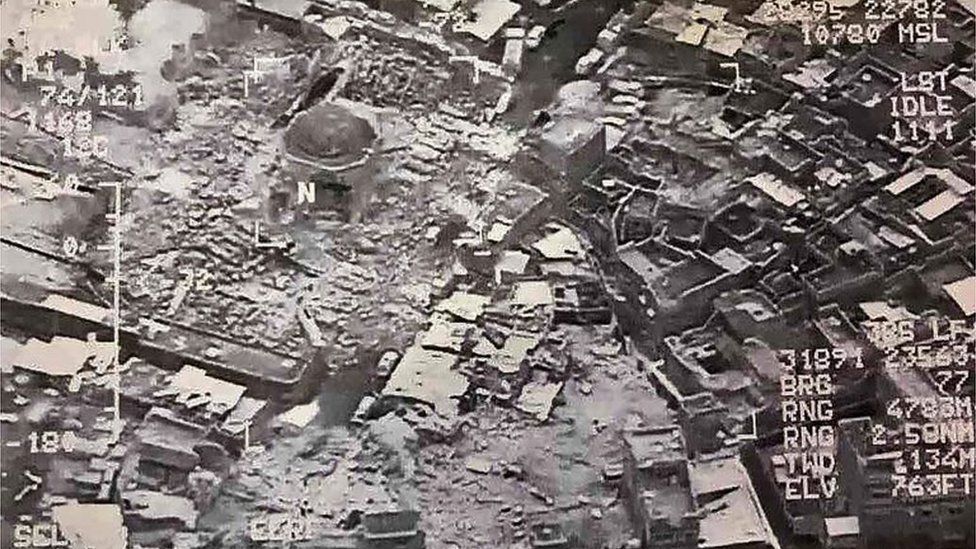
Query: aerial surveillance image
[[488, 274]]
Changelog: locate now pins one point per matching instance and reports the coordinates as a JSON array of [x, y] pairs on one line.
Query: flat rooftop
[[657, 444]]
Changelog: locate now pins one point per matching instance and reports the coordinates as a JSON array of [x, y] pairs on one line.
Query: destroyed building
[[487, 273]]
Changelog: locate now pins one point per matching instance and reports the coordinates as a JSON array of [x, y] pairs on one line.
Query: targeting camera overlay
[[487, 274]]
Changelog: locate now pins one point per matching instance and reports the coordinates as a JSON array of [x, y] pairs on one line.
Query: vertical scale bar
[[115, 216], [116, 309]]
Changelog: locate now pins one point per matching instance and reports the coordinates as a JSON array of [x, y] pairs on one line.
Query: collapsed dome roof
[[329, 133]]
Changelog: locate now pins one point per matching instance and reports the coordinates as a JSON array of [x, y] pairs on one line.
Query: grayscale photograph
[[487, 274]]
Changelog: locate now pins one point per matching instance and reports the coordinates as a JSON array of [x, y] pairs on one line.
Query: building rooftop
[[869, 85], [812, 74], [875, 310], [775, 189], [464, 305], [568, 134], [489, 17], [725, 38], [731, 261], [648, 446], [963, 292], [193, 386], [701, 24], [442, 5], [674, 281], [64, 356], [939, 204], [671, 503], [91, 525], [734, 519], [559, 243], [669, 284], [842, 526], [512, 261], [242, 415], [288, 9], [909, 179], [508, 359], [530, 293], [74, 307], [446, 336], [713, 477], [762, 359], [428, 376]]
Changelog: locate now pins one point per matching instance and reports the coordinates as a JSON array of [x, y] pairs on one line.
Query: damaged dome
[[330, 134]]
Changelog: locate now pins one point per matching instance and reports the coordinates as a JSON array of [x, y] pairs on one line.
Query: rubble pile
[[480, 273]]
